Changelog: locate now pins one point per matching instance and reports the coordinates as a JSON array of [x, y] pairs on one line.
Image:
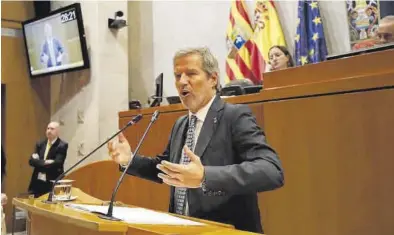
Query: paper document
[[42, 176], [137, 215]]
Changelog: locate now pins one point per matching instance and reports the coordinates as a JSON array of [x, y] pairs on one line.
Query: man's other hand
[[120, 152], [178, 175]]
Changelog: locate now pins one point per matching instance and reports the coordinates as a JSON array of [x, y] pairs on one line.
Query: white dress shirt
[[201, 115], [53, 141], [51, 52]]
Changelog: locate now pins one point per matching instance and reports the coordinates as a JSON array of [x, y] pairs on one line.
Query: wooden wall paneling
[[11, 24], [27, 114], [17, 10], [337, 155], [13, 61]]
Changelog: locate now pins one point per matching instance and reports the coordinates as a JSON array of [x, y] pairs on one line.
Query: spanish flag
[[239, 32], [267, 33]]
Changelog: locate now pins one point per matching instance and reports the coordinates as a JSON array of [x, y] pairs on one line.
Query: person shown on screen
[[217, 158], [52, 50], [47, 161]]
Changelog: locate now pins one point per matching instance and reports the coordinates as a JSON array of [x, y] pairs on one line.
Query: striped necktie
[[180, 193]]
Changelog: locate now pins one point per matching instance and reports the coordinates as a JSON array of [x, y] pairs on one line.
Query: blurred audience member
[[386, 30], [280, 58], [385, 34]]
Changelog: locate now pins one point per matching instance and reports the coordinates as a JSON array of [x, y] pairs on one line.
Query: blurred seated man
[[47, 161], [385, 34], [386, 30], [279, 58]]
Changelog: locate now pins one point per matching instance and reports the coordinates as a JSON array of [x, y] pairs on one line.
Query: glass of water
[[62, 190]]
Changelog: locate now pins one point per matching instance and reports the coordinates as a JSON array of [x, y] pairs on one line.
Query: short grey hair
[[209, 62], [57, 124]]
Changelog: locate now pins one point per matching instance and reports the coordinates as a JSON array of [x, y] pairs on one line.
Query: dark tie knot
[[192, 121]]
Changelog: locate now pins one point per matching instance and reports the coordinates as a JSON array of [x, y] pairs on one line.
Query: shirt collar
[[202, 113], [53, 141]]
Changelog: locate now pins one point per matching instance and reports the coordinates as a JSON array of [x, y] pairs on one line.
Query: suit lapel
[[209, 126], [42, 150], [51, 151]]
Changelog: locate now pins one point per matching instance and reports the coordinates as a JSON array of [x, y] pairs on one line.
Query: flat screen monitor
[[158, 97], [56, 43], [174, 100]]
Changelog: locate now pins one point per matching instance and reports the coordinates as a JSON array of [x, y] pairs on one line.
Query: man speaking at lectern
[[217, 158]]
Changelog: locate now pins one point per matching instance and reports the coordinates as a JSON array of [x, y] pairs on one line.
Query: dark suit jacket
[[237, 160], [58, 153]]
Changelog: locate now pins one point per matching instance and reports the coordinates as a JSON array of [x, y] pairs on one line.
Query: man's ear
[[214, 79]]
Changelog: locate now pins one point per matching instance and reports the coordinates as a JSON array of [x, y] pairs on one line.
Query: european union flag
[[310, 44]]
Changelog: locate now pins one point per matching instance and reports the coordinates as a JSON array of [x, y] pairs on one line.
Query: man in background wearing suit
[[52, 49], [47, 161], [217, 158]]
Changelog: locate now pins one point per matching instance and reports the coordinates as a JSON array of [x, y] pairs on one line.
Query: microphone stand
[[50, 196], [109, 216]]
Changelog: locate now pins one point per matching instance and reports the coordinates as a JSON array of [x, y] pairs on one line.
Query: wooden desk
[[59, 219], [332, 130]]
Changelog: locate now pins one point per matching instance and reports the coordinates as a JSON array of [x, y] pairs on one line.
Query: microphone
[[130, 123], [109, 216]]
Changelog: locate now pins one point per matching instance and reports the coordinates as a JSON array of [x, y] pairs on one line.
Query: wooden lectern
[[49, 219]]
